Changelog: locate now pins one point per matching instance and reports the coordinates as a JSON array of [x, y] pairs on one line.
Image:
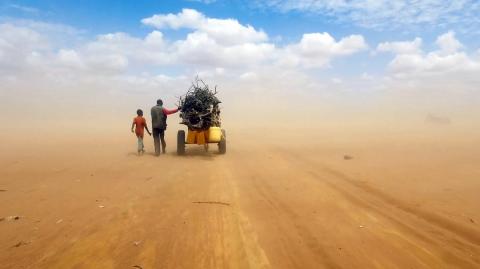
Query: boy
[[140, 124]]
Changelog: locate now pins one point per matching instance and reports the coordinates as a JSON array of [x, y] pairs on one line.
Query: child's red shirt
[[140, 124]]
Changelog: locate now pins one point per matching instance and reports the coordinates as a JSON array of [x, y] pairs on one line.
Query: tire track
[[461, 238], [285, 216], [466, 233], [314, 246]]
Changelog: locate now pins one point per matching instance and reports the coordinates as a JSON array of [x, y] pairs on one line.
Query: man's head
[[139, 112], [159, 102]]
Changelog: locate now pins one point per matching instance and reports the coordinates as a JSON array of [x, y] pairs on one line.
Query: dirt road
[[259, 206]]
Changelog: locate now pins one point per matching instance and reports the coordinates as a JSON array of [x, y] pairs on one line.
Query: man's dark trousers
[[159, 135]]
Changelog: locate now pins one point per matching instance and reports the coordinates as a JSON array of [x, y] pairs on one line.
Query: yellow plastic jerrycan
[[192, 137], [201, 139], [214, 134]]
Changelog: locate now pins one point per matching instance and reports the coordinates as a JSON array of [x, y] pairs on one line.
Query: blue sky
[[344, 44], [106, 16]]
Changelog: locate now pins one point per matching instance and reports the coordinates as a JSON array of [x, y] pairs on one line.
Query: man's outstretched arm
[[170, 111]]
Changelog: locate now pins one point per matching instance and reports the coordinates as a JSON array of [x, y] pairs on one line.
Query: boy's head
[[139, 112]]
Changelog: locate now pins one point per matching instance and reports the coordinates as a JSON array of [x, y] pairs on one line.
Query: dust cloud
[[407, 192]]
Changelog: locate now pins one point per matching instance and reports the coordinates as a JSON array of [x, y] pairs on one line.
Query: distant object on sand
[[437, 120]]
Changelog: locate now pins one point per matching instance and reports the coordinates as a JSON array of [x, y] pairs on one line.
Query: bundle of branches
[[200, 109]]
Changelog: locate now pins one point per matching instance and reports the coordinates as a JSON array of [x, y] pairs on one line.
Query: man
[[159, 125]]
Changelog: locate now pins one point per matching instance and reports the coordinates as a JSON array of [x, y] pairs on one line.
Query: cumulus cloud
[[223, 31], [447, 66], [152, 49], [447, 58], [214, 42], [401, 47], [188, 18], [317, 49], [226, 42], [238, 50], [448, 43], [18, 45], [432, 63], [237, 56], [70, 58], [200, 49]]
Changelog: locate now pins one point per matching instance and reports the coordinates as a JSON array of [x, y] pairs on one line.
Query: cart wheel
[[222, 145], [181, 142]]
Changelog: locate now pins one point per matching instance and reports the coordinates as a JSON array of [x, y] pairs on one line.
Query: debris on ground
[[101, 206], [137, 266], [211, 202], [347, 157], [137, 243], [199, 107], [2, 190], [10, 218], [21, 243], [59, 221], [361, 226], [472, 221]]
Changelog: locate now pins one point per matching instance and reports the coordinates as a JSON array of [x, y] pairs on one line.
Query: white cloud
[[142, 66], [402, 47], [22, 8], [212, 47], [70, 58], [214, 42], [448, 43], [204, 1], [317, 49], [367, 77], [188, 18], [223, 31], [337, 81], [432, 63], [248, 76], [17, 45], [410, 59], [211, 43], [116, 51], [387, 14], [155, 39], [200, 49], [447, 65]]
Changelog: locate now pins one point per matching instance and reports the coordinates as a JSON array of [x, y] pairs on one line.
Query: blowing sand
[[87, 201]]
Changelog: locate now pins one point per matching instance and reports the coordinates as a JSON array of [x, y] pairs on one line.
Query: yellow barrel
[[191, 137], [214, 134], [201, 139]]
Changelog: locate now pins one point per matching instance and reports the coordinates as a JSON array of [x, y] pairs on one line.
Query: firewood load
[[199, 107]]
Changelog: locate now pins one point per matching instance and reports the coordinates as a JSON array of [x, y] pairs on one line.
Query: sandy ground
[[92, 203]]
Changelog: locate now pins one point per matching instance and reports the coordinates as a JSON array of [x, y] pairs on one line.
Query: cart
[[213, 135]]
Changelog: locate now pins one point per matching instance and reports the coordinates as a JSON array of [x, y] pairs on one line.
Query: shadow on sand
[[192, 151]]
